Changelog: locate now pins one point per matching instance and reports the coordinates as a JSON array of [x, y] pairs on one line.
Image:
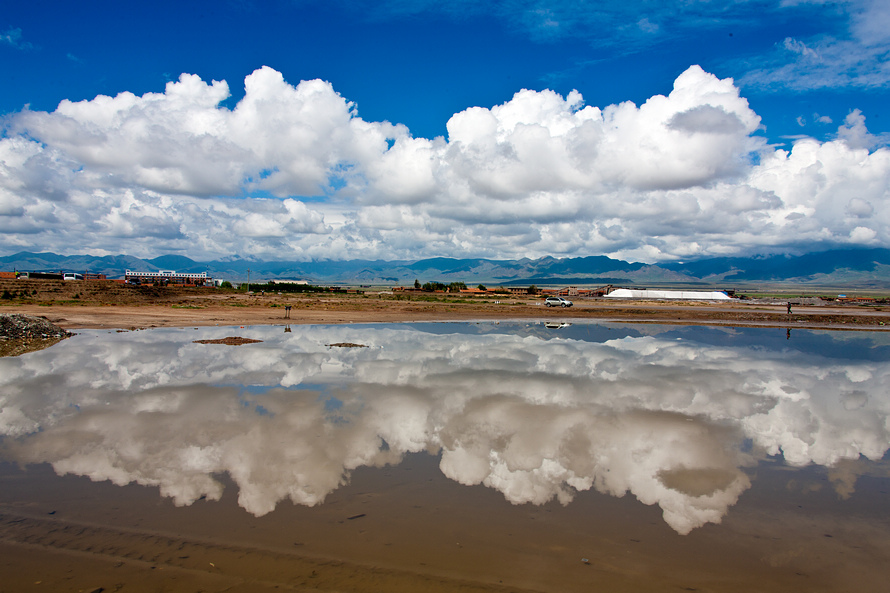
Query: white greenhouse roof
[[626, 293]]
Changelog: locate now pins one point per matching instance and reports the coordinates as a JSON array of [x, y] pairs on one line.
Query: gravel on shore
[[26, 333]]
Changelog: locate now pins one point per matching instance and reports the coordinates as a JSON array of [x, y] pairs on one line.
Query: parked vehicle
[[557, 302]]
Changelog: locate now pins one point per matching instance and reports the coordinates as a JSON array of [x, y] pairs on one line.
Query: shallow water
[[636, 457]]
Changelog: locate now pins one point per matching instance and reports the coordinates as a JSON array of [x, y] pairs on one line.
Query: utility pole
[[248, 280]]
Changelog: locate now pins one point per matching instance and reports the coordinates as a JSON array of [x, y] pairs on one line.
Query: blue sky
[[401, 165]]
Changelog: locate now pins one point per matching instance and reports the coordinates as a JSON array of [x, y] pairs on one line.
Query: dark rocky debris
[[20, 334]]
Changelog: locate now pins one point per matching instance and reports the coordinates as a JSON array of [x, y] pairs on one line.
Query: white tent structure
[[627, 293]]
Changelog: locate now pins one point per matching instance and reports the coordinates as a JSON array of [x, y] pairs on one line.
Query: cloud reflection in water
[[676, 422]]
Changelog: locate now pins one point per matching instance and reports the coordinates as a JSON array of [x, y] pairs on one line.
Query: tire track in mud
[[230, 565]]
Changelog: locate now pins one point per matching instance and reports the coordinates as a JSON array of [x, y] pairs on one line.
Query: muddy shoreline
[[244, 310], [111, 305]]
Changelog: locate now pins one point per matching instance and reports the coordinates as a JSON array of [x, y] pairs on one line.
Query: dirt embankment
[[74, 292]]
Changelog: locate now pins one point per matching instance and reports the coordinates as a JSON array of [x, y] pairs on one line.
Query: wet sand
[[408, 528]]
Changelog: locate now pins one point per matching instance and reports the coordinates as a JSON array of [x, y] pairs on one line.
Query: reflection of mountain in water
[[676, 419]]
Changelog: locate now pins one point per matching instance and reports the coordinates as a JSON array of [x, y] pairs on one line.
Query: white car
[[557, 302]]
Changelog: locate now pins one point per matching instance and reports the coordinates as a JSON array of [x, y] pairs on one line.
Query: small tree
[[225, 284], [532, 289], [481, 287], [416, 283]]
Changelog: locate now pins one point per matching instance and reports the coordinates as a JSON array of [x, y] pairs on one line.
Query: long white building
[[169, 276], [627, 293]]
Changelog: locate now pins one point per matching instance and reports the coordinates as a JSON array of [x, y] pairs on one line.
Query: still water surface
[[641, 457]]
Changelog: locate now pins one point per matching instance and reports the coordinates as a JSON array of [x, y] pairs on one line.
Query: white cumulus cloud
[[293, 170]]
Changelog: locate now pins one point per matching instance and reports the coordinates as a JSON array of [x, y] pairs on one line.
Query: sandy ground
[[240, 309]]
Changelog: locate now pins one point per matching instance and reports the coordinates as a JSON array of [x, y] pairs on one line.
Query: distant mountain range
[[860, 268]]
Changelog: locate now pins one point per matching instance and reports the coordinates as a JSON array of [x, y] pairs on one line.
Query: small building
[[842, 298], [517, 290], [569, 291]]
